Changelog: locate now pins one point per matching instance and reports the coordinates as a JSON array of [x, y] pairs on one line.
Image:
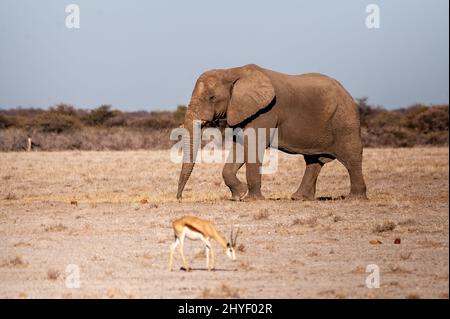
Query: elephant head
[[232, 94]]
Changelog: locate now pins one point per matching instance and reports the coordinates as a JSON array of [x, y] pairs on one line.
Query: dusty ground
[[110, 213]]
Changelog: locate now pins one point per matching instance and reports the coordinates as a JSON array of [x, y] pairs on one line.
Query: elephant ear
[[251, 92]]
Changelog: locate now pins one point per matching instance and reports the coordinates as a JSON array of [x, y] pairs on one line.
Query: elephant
[[314, 114]]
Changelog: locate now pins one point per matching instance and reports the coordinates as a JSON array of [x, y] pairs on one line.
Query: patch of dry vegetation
[[53, 274], [223, 291], [262, 215], [289, 250], [309, 221], [14, 262], [406, 127], [55, 228], [384, 227], [11, 196], [64, 127]]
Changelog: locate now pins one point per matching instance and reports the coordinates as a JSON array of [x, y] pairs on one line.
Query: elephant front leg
[[232, 166], [237, 188], [253, 181]]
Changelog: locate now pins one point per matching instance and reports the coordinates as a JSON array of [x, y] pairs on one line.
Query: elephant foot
[[303, 197], [239, 193], [253, 197]]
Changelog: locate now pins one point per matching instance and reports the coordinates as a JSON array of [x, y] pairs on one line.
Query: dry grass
[[10, 196], [14, 262], [53, 274], [405, 255], [407, 222], [384, 227], [85, 208], [241, 248], [310, 221], [55, 228], [223, 291], [262, 215]]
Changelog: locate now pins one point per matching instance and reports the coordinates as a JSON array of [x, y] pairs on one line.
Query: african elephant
[[314, 114]]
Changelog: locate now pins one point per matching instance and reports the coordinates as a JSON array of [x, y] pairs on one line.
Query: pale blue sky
[[147, 54]]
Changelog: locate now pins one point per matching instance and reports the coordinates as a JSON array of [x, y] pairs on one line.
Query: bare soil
[[110, 214]]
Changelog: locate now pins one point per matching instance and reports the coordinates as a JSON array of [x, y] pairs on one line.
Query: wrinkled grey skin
[[314, 114]]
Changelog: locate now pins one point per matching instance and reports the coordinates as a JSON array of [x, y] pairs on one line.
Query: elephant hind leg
[[353, 163], [307, 189]]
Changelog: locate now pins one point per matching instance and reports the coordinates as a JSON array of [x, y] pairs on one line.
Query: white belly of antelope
[[191, 234]]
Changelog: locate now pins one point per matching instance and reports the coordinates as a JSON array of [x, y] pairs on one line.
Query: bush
[[57, 122], [119, 119], [87, 138], [64, 127], [99, 115], [65, 109], [433, 119], [180, 113], [6, 121], [155, 120]]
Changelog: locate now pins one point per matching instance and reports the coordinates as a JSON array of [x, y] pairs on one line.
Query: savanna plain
[[110, 214]]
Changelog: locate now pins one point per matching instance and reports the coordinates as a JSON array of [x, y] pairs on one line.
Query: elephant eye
[[212, 98]]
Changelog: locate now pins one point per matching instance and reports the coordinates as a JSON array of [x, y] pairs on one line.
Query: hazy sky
[[148, 54]]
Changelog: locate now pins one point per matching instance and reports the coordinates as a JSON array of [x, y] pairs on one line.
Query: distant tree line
[[64, 127], [65, 118], [415, 125]]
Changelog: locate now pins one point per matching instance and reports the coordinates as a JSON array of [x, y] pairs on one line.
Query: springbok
[[195, 228]]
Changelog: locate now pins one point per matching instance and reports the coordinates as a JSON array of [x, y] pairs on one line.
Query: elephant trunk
[[190, 148]]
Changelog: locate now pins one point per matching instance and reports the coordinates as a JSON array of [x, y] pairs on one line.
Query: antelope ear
[[252, 92]]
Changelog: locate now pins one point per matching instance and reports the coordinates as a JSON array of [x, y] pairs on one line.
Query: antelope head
[[232, 244]]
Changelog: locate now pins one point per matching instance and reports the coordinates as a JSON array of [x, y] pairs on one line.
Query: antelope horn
[[236, 236], [231, 237]]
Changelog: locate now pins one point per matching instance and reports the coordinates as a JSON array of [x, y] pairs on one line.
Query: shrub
[[119, 119], [64, 109], [156, 120], [6, 121], [431, 119], [99, 115], [56, 122], [63, 127], [180, 113]]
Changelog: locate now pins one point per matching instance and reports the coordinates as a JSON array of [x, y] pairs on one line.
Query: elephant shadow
[[330, 198], [321, 198], [206, 269]]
